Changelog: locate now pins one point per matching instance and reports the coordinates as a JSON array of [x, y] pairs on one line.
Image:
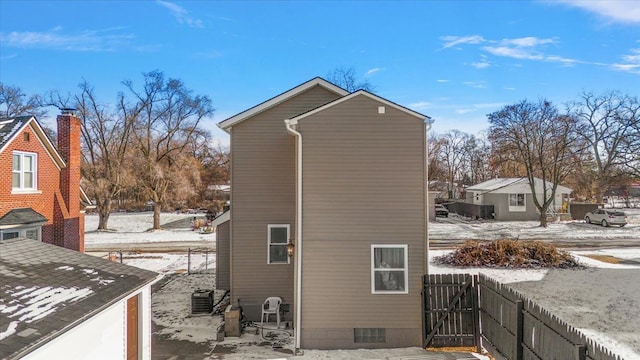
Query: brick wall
[[63, 220]]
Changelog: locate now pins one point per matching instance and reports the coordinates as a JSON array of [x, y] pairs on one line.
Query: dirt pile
[[509, 254]]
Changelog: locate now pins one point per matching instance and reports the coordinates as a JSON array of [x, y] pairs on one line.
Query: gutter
[[290, 124], [427, 126]]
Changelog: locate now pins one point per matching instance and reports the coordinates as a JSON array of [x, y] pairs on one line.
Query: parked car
[[606, 217], [441, 210]]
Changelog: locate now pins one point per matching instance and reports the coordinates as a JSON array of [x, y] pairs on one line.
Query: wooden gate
[[450, 303]]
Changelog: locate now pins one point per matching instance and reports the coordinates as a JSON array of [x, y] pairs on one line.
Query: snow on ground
[[134, 227], [602, 290], [456, 227]]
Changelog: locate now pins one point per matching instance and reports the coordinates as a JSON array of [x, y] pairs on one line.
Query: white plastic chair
[[271, 306]]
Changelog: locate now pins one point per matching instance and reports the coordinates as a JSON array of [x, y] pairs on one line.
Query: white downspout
[[289, 124], [427, 126]]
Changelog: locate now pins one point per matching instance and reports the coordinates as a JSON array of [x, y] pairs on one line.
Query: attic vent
[[381, 109], [26, 137]]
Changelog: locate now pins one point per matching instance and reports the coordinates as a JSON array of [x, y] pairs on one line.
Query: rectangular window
[[24, 171], [34, 233], [277, 240], [369, 335], [517, 202], [389, 269]]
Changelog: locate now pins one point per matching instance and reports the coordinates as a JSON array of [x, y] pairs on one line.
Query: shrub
[[509, 254]]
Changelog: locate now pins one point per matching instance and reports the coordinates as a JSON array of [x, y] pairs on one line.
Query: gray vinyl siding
[[223, 253], [500, 204], [262, 193], [363, 184]]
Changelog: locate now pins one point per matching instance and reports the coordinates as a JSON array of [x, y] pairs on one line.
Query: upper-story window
[[25, 166]]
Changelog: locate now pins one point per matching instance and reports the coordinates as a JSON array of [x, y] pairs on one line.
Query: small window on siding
[[277, 239], [517, 203], [389, 269], [26, 137], [369, 335]]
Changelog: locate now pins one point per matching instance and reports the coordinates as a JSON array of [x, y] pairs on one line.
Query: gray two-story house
[[328, 211]]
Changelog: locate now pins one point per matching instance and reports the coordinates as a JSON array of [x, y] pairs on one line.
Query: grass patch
[[509, 254], [604, 258]]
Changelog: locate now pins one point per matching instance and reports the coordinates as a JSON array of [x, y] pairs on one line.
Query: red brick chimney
[[69, 128]]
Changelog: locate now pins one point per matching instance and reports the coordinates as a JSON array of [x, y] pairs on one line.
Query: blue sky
[[455, 61]]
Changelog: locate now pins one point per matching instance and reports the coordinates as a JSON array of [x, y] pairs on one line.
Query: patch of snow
[[65, 267], [11, 329], [89, 271], [42, 302]]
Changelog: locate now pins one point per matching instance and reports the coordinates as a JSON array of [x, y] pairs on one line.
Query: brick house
[[40, 195]]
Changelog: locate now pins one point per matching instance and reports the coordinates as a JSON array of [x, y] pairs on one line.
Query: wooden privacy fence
[[450, 303], [515, 328], [473, 211]]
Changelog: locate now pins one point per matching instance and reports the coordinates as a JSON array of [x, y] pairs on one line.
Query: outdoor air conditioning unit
[[202, 301]]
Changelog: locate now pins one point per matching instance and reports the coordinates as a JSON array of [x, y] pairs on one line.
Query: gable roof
[[11, 127], [317, 81], [355, 94], [23, 216], [46, 290], [503, 184]]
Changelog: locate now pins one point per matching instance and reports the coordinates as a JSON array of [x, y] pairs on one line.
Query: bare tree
[[631, 113], [542, 141], [14, 102], [106, 135], [453, 155], [346, 78], [167, 118], [608, 132]]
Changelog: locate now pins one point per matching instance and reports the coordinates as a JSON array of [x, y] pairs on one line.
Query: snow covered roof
[[46, 290], [510, 185]]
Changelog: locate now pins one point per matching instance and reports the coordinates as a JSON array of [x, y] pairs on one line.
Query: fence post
[[581, 352], [120, 256], [476, 313], [189, 261], [519, 329]]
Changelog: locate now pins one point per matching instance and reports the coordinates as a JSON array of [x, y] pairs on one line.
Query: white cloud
[[451, 41], [476, 84], [528, 41], [181, 14], [631, 62], [442, 80], [481, 65], [420, 105], [88, 40], [624, 11], [370, 72]]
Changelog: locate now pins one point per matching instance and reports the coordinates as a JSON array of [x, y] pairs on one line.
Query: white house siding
[[102, 337]]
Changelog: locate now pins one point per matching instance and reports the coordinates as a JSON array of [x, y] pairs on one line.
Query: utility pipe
[[427, 126], [290, 124]]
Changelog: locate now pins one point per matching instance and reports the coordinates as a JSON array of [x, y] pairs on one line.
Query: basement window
[[277, 240], [369, 335]]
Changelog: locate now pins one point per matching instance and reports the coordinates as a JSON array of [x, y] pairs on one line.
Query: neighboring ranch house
[[57, 303], [40, 195], [512, 198], [310, 223]]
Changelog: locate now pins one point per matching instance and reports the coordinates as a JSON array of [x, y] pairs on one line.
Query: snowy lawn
[[600, 301]]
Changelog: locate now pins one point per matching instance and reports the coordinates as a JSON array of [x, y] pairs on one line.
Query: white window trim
[[517, 208], [405, 269], [269, 227], [22, 231], [23, 189]]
